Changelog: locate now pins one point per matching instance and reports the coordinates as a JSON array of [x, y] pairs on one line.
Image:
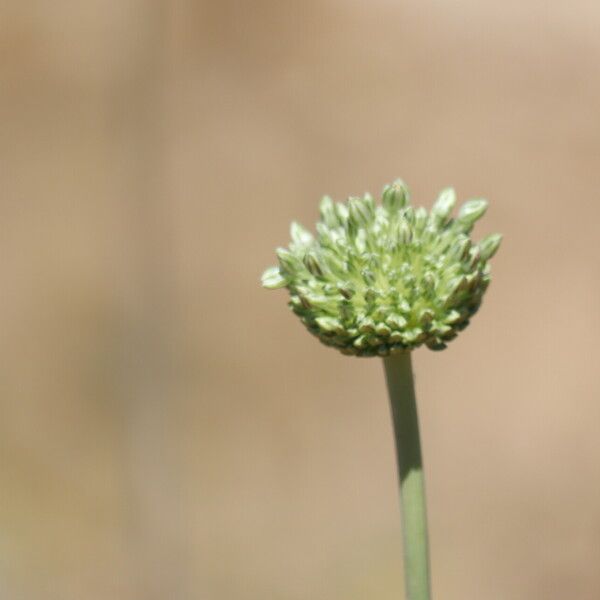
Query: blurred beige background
[[167, 428]]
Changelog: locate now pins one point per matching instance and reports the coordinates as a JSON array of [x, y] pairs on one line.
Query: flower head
[[381, 279]]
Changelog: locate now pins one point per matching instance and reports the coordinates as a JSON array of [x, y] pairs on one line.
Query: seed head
[[377, 280]]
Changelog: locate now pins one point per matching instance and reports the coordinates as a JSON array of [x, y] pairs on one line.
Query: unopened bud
[[272, 279], [489, 246], [471, 211], [443, 206], [312, 264], [395, 196]]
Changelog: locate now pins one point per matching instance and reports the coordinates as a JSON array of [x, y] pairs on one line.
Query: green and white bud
[[329, 325], [288, 261], [312, 264], [489, 246], [395, 196], [272, 279], [382, 330], [404, 233], [299, 235], [397, 322], [327, 210], [471, 211], [347, 290], [360, 211], [378, 280], [443, 206]]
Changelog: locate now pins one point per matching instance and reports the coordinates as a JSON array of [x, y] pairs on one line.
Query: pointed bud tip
[[272, 279], [471, 211], [299, 234], [444, 204], [490, 245]]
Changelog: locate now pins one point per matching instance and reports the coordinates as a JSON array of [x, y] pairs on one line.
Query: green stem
[[399, 376]]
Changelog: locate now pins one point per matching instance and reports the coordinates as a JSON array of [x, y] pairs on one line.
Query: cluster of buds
[[382, 279]]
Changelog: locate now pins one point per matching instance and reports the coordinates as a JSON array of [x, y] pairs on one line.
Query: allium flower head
[[381, 279]]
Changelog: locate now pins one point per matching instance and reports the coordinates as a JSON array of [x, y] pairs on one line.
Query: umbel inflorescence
[[381, 279]]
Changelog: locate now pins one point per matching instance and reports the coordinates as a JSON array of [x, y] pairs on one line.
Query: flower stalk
[[401, 389]]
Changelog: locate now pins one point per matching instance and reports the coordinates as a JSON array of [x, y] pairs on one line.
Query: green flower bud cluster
[[382, 279]]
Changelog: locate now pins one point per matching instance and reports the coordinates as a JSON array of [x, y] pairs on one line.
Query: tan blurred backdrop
[[167, 428]]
